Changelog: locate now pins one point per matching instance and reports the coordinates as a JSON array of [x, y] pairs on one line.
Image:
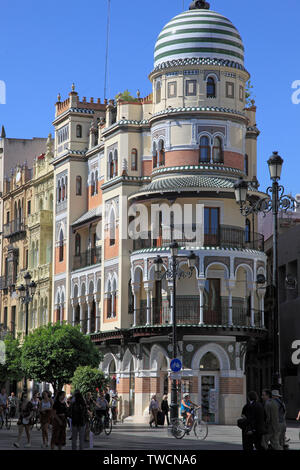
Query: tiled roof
[[82, 110], [199, 108], [198, 61], [91, 214], [188, 182]]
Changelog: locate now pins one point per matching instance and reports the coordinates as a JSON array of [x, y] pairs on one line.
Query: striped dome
[[199, 34]]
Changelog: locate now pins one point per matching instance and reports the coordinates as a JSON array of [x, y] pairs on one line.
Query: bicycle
[[180, 429], [6, 419], [98, 424]]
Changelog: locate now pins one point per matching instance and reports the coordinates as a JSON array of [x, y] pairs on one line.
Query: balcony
[[15, 227], [223, 237], [6, 282], [43, 217], [188, 313], [88, 258]]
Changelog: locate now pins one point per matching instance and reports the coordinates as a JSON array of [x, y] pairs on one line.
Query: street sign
[[175, 376], [176, 365]]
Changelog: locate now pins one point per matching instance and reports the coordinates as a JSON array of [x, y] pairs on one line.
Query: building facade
[[185, 144]]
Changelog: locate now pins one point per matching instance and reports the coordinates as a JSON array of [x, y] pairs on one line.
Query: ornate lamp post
[[275, 201], [172, 274], [26, 293]]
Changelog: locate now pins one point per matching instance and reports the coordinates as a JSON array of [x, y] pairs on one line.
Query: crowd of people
[[263, 423], [58, 413]]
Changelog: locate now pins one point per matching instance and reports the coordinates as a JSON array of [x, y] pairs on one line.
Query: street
[[139, 437]]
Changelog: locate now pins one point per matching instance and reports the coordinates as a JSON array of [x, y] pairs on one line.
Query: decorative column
[[201, 287], [230, 287], [81, 313], [135, 288], [98, 320], [148, 288], [261, 294], [73, 311], [252, 306], [89, 305]]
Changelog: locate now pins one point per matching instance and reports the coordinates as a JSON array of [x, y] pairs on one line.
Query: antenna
[[107, 44]]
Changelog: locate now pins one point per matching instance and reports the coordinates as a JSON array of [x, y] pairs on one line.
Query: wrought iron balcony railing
[[223, 237], [88, 258], [13, 228]]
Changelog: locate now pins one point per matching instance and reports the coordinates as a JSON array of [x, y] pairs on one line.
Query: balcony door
[[211, 226], [212, 301]]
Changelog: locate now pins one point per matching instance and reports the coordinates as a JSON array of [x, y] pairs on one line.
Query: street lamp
[[173, 273], [26, 294], [275, 201]]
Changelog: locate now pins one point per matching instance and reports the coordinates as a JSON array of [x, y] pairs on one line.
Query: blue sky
[[45, 46]]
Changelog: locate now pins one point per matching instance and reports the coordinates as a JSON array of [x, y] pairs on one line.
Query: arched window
[[114, 300], [109, 300], [134, 159], [209, 362], [158, 92], [110, 165], [154, 154], [63, 190], [92, 185], [246, 164], [161, 149], [211, 88], [204, 149], [115, 163], [78, 185], [79, 131], [66, 187], [77, 244], [217, 150], [59, 192], [96, 182], [112, 228], [61, 246], [247, 231]]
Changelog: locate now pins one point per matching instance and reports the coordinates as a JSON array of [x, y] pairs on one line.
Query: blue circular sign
[[176, 365]]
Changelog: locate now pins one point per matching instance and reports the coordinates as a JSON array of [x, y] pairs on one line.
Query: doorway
[[131, 388], [208, 388]]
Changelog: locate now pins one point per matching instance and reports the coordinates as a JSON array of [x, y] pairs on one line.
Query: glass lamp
[[240, 191], [27, 278], [174, 248], [21, 292], [192, 259], [32, 287], [275, 163], [158, 262]]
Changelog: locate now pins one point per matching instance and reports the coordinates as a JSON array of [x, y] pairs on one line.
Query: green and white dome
[[199, 34]]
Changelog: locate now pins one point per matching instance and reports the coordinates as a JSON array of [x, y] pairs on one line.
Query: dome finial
[[199, 5]]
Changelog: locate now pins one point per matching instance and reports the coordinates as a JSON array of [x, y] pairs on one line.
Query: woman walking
[[153, 410], [78, 412], [165, 409], [59, 421], [45, 410], [25, 415], [114, 407]]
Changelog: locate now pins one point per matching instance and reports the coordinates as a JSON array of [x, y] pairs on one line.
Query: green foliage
[[88, 379], [53, 352], [12, 369], [126, 96], [249, 97]]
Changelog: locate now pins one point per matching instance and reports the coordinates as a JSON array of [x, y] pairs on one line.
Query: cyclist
[[186, 409], [101, 406], [3, 404]]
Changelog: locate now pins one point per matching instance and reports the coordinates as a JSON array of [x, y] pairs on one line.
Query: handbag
[[243, 423], [25, 421]]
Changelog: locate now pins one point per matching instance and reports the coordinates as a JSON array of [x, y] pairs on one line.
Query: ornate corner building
[[187, 142]]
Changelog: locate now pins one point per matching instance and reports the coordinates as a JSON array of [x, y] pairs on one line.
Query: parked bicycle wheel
[[201, 430], [96, 426], [108, 426], [178, 428]]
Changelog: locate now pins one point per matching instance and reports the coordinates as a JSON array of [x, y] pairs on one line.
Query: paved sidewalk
[[138, 437]]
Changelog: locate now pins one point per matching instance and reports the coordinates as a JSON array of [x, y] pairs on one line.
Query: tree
[[10, 363], [52, 353], [88, 379], [249, 97], [126, 96]]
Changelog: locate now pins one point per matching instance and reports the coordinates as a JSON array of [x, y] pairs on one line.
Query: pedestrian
[[79, 414], [90, 404], [13, 405], [59, 421], [114, 407], [45, 410], [271, 422], [254, 429], [165, 408], [35, 403], [24, 421], [282, 421], [153, 410], [3, 403]]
